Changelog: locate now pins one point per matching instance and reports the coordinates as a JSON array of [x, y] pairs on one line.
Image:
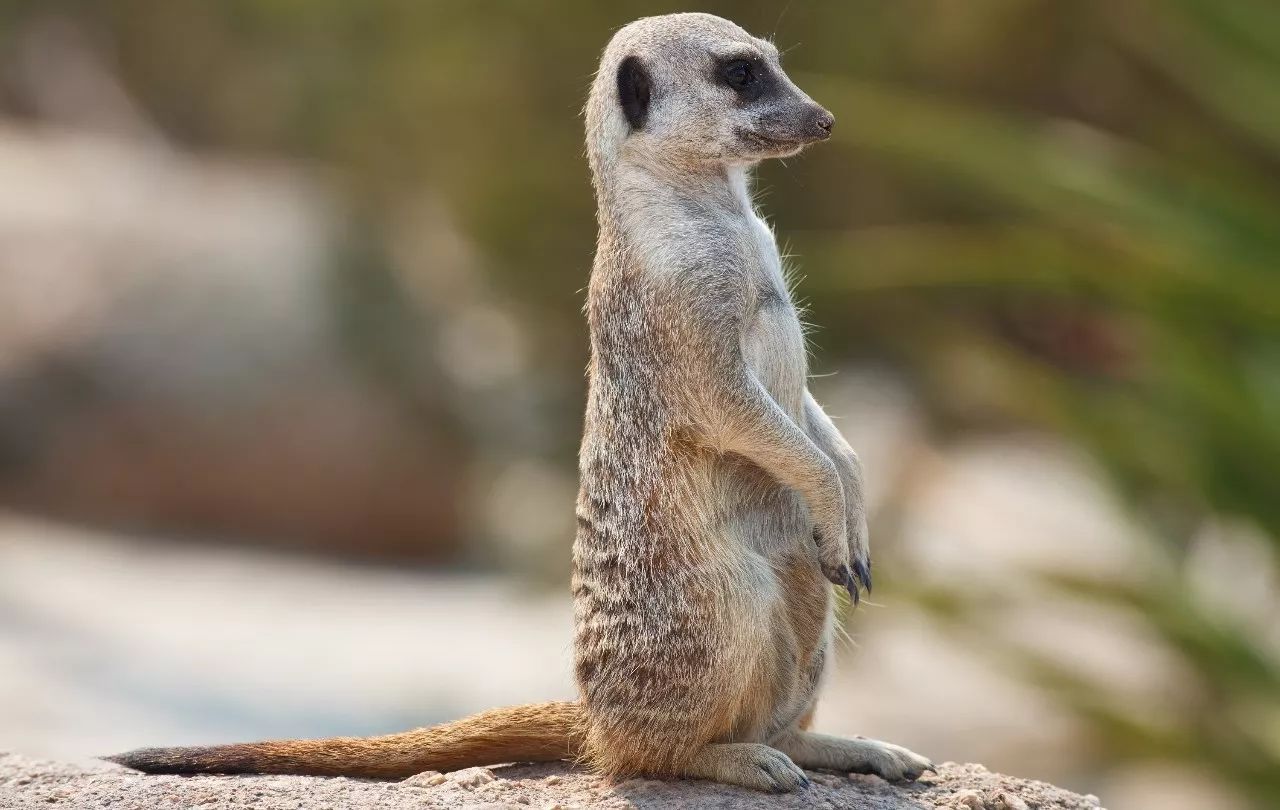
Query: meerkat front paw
[[842, 576], [860, 551], [859, 545], [838, 565], [850, 567]]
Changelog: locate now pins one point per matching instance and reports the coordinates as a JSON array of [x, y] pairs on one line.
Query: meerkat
[[718, 502]]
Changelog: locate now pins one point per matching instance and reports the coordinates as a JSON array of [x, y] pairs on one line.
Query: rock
[[1007, 801], [26, 784], [968, 800], [472, 777]]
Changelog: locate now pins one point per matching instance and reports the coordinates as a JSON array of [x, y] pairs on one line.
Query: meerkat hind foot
[[855, 755], [750, 765]]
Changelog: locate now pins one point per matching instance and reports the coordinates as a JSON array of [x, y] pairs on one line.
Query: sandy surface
[[26, 783]]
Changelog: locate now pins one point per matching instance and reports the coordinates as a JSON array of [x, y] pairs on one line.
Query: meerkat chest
[[773, 341]]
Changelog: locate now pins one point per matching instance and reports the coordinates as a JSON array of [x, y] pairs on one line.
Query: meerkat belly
[[773, 348], [773, 340], [787, 601], [792, 603], [763, 514]]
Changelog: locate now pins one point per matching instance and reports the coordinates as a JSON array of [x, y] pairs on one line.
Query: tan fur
[[718, 502], [534, 733]]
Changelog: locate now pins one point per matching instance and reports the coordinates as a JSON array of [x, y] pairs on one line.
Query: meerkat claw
[[851, 585], [853, 579], [863, 572]]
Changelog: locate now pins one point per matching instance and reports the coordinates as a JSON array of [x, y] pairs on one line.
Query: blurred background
[[291, 370]]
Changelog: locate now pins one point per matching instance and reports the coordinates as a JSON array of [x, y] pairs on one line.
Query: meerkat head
[[695, 88]]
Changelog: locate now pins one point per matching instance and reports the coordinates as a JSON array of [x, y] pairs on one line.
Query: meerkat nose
[[825, 121]]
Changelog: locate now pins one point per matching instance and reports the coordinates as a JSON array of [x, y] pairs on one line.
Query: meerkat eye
[[739, 74]]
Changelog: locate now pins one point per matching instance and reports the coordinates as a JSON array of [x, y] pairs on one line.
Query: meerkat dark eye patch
[[738, 73], [634, 89], [749, 78]]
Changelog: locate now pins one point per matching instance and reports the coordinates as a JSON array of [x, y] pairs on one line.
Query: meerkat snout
[[807, 123]]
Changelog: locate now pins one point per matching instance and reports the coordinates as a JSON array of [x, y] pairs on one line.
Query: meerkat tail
[[537, 732]]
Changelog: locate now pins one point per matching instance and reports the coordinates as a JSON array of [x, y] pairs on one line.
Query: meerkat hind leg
[[857, 755], [751, 765]]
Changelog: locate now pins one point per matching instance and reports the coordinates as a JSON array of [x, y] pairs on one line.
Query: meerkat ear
[[633, 91]]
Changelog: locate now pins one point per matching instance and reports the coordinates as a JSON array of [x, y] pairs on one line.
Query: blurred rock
[[171, 360], [109, 643]]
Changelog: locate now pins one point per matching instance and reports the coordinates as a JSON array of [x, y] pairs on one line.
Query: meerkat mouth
[[767, 140], [772, 144]]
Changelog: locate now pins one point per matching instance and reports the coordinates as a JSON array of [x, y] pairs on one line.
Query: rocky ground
[[26, 783]]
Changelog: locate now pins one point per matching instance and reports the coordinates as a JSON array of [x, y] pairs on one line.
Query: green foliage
[[1141, 266]]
